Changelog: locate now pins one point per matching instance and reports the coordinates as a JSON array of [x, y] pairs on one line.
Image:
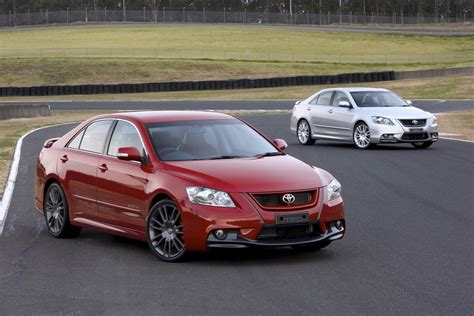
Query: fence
[[235, 55], [103, 15]]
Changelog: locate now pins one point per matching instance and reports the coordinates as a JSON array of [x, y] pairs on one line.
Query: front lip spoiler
[[235, 241]]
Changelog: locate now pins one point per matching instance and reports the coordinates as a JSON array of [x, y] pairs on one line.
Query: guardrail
[[231, 84], [197, 85], [9, 111]]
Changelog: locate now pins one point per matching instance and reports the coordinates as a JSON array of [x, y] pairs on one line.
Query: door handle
[[64, 158], [330, 111], [308, 108], [103, 167]]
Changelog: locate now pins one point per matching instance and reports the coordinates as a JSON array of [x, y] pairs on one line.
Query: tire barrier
[[197, 85], [9, 111]]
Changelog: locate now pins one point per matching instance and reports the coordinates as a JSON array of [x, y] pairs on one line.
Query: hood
[[407, 112], [253, 175]]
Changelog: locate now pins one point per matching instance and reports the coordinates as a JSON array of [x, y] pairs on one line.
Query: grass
[[121, 54], [234, 38], [63, 71], [458, 125], [455, 87]]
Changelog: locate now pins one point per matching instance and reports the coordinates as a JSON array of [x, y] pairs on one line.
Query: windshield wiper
[[269, 154], [226, 157]]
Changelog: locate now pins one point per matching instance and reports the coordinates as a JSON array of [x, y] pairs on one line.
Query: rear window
[[95, 136]]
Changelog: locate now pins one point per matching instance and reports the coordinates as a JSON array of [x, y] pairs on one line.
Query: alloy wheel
[[303, 132], [55, 210], [362, 136], [165, 231]]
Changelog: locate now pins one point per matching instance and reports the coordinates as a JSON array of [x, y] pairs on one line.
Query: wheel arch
[[50, 181], [160, 196], [357, 122]]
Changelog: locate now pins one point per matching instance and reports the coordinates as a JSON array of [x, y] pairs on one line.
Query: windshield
[[207, 139], [372, 99]]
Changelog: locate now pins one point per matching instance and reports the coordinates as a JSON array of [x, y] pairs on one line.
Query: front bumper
[[399, 133], [233, 240], [250, 225]]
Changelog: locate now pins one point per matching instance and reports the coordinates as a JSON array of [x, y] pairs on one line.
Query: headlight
[[382, 120], [211, 197], [333, 190], [434, 120]]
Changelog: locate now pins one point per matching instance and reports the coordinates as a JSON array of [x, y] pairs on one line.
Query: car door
[[340, 118], [319, 111], [121, 184], [77, 167]]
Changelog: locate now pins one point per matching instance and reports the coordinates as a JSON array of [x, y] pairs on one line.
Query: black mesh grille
[[413, 122], [414, 136], [286, 232], [276, 199]]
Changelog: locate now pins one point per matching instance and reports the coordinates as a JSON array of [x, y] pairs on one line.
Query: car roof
[[167, 116], [356, 89]]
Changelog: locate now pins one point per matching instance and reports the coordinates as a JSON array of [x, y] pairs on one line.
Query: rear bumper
[[233, 240]]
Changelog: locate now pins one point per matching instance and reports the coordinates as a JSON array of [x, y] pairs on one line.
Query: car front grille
[[415, 136], [275, 200], [288, 232], [413, 122]]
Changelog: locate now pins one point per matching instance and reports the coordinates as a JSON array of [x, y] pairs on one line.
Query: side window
[[125, 135], [314, 100], [94, 136], [338, 97], [324, 98], [76, 141]]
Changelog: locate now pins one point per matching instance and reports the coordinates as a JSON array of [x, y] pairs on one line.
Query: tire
[[312, 247], [165, 231], [303, 133], [361, 136], [422, 145], [56, 213]]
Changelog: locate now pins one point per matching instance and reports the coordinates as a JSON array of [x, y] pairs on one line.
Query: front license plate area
[[291, 219], [416, 130]]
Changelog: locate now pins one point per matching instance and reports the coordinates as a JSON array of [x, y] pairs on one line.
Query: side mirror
[[344, 104], [280, 143], [409, 102], [129, 153]]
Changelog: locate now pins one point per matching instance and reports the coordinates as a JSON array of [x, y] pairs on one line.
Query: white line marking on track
[[459, 140], [8, 193]]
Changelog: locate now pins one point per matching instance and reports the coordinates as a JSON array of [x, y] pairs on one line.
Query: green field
[[121, 54], [232, 38], [58, 71]]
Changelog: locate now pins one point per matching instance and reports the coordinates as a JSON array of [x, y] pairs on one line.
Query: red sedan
[[185, 181]]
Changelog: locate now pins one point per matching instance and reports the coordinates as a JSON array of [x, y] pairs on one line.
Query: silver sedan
[[363, 116]]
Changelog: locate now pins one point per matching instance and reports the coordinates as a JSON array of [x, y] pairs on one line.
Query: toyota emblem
[[414, 122], [288, 198]]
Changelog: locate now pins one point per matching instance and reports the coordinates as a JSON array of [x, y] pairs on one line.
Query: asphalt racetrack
[[408, 247], [433, 106]]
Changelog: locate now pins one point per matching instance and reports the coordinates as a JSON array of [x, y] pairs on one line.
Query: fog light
[[434, 135], [220, 234], [387, 136], [338, 225]]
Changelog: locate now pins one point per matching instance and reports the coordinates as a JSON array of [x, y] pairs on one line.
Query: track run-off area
[[408, 246]]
